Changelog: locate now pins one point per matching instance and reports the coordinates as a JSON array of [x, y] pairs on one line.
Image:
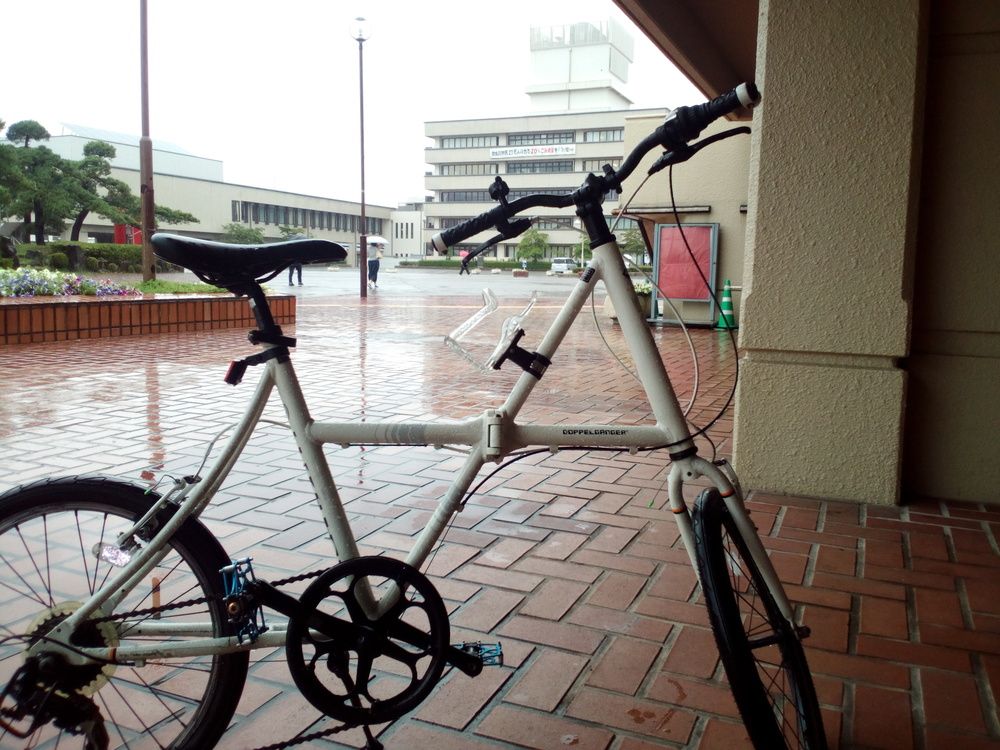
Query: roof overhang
[[713, 42]]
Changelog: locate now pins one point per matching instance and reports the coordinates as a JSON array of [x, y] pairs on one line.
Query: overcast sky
[[271, 88]]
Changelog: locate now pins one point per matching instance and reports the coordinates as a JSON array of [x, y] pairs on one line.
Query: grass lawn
[[158, 286]]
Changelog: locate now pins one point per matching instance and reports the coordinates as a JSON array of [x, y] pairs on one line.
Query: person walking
[[373, 263], [292, 269]]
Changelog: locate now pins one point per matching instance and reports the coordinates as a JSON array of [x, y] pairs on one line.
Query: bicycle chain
[[193, 602], [307, 738]]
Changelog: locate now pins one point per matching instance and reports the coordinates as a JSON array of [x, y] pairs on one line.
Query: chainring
[[361, 670]]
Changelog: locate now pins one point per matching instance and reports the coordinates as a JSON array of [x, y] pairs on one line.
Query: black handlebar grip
[[744, 95], [685, 123], [449, 237]]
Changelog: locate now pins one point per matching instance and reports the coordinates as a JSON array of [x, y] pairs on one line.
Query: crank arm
[[468, 663], [328, 625]]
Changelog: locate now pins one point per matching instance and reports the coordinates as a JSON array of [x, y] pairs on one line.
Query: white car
[[564, 265]]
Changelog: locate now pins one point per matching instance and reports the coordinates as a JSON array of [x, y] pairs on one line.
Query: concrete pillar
[[831, 228]]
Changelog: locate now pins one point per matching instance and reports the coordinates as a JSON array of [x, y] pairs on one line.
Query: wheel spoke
[[34, 563], [46, 535]]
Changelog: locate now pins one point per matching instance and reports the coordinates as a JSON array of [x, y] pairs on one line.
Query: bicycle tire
[[48, 530], [760, 650]]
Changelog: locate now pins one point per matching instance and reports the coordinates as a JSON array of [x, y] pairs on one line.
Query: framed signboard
[[676, 270]]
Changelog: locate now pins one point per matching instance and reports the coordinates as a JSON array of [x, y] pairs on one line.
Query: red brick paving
[[570, 560]]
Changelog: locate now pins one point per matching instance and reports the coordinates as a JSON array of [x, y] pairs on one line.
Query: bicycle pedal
[[490, 654], [243, 611]]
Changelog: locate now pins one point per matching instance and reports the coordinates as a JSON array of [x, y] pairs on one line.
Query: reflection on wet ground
[[378, 359], [570, 559]]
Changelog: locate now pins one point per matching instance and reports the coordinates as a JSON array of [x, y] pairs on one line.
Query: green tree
[[99, 191], [10, 177], [241, 234], [36, 170], [27, 131], [533, 245], [110, 197], [288, 233], [48, 193], [47, 190], [633, 245], [165, 215]]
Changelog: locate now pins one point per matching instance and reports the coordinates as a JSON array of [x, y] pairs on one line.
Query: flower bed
[[38, 306], [40, 282]]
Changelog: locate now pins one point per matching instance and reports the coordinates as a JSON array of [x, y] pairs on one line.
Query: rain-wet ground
[[570, 560]]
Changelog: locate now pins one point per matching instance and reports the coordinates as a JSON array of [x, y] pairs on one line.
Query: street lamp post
[[359, 31]]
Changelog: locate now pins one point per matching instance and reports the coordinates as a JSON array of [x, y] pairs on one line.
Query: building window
[[540, 167], [470, 141], [465, 196], [607, 135], [597, 165], [467, 169], [534, 191], [553, 223], [539, 139], [236, 211]]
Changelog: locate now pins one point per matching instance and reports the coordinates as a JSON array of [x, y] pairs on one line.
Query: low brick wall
[[30, 320]]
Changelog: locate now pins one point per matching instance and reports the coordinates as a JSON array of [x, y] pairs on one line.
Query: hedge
[[489, 263], [88, 256]]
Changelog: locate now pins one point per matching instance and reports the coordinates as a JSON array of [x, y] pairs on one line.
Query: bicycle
[[116, 593]]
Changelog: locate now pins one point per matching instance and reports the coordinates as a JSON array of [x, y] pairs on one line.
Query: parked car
[[564, 265]]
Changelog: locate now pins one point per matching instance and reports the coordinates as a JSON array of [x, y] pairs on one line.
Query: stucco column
[[832, 211]]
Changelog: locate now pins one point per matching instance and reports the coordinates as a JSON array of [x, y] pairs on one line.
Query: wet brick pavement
[[570, 560]]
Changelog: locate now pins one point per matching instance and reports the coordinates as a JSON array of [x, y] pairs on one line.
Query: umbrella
[[374, 239]]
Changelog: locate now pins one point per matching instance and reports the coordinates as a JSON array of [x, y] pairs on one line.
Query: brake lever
[[681, 155], [481, 249], [507, 231]]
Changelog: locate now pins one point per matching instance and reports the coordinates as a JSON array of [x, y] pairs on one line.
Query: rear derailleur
[[46, 688]]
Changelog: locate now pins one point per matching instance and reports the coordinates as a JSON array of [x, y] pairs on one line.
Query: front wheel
[[51, 537], [761, 651]]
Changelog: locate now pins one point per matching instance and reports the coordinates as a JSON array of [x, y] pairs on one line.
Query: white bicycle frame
[[489, 438]]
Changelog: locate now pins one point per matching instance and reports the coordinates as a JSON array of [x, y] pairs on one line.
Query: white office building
[[577, 125]]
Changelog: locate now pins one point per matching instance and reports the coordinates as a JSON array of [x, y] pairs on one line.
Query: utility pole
[[145, 156]]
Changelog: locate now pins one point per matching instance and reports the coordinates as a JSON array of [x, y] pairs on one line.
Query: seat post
[[262, 311]]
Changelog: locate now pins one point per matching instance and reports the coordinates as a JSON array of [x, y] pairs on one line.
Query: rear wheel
[[50, 533], [761, 651]]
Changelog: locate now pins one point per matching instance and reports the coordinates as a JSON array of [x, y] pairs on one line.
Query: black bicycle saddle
[[236, 266]]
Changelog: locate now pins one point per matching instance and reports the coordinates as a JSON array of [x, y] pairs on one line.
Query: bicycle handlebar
[[680, 126]]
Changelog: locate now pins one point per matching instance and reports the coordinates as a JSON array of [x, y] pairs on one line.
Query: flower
[[35, 282], [643, 287]]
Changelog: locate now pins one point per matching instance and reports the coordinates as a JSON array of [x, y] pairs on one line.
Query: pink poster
[[677, 275]]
